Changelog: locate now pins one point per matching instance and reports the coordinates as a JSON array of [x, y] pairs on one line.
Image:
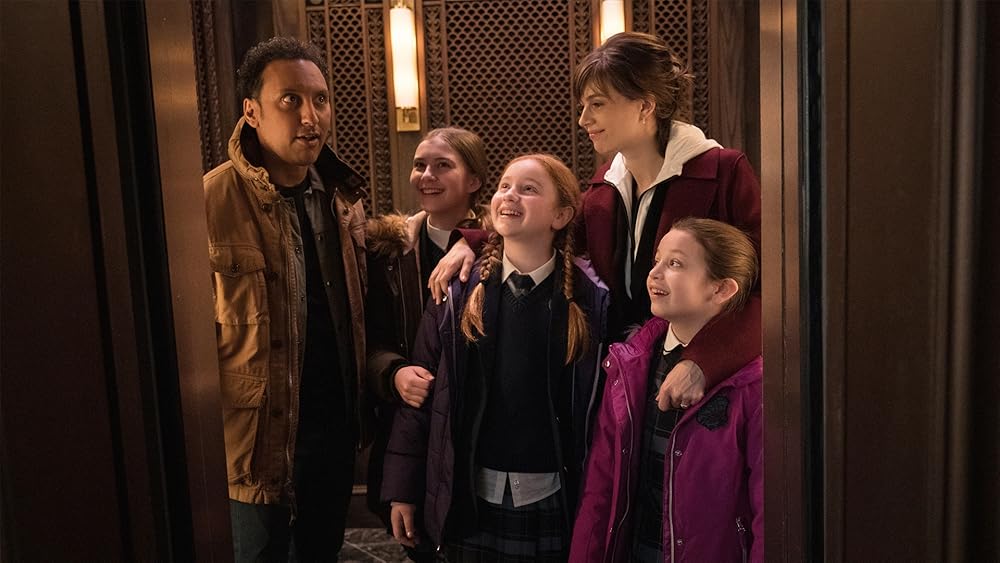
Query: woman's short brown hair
[[638, 66]]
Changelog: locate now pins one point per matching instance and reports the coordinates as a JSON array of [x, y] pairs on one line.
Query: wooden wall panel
[[984, 439], [58, 449], [908, 422], [894, 432], [780, 243]]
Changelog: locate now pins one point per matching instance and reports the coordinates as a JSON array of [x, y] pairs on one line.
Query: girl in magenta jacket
[[680, 484]]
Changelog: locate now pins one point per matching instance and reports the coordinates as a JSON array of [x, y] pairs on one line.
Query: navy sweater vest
[[516, 433]]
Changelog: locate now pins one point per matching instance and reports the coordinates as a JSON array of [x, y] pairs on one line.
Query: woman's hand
[[413, 383], [459, 259], [683, 387], [403, 527]]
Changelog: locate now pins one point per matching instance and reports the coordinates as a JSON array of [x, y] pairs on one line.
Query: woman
[[633, 92]]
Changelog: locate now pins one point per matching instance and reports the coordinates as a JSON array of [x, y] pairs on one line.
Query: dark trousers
[[323, 478]]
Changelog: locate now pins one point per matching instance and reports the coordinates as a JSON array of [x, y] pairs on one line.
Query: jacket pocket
[[243, 399], [239, 285]]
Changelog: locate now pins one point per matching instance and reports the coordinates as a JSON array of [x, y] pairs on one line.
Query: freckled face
[[526, 204]]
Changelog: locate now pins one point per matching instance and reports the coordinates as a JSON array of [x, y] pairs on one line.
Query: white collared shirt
[[671, 341], [439, 237], [525, 488], [537, 275]]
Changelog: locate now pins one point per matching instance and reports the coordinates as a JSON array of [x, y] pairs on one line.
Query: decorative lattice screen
[[683, 24], [351, 35], [213, 135], [507, 72], [501, 68]]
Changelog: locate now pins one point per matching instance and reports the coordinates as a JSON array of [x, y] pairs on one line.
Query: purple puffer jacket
[[713, 482]]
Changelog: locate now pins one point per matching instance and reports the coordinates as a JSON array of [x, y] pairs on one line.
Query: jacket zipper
[[449, 302], [670, 485], [628, 473], [292, 393], [406, 332], [591, 404], [743, 538], [454, 328]]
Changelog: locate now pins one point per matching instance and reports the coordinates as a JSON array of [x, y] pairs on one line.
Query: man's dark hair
[[248, 77]]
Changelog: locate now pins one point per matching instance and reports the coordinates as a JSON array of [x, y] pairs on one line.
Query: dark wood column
[[110, 425]]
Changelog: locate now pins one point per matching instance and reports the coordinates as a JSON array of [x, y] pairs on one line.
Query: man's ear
[[724, 291], [251, 111]]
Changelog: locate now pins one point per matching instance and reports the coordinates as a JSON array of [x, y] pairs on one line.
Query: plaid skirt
[[530, 533]]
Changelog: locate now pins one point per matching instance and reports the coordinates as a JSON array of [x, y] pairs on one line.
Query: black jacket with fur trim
[[394, 307]]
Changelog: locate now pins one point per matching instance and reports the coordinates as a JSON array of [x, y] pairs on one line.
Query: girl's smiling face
[[680, 289], [526, 203], [442, 179]]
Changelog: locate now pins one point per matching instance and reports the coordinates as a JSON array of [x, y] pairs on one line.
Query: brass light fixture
[[406, 86], [612, 18]]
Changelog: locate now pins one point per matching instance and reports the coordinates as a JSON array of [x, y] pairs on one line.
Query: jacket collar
[[329, 172], [395, 234], [685, 143]]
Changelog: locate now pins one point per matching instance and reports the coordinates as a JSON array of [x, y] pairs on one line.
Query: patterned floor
[[370, 544]]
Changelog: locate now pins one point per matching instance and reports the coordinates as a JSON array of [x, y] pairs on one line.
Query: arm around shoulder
[[727, 343]]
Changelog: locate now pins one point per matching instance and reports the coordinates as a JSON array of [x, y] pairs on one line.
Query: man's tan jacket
[[259, 282]]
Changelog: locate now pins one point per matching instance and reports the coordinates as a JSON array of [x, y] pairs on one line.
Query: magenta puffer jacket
[[713, 482]]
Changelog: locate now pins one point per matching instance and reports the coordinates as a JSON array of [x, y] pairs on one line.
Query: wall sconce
[[403, 36], [612, 18]]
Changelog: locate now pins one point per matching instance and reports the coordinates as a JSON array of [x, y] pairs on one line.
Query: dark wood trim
[[779, 122], [136, 425], [834, 168], [984, 521], [230, 105], [186, 233], [964, 160], [727, 73]]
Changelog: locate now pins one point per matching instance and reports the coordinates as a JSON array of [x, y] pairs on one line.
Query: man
[[287, 233]]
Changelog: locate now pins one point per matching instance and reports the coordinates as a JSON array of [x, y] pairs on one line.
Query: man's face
[[292, 117]]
